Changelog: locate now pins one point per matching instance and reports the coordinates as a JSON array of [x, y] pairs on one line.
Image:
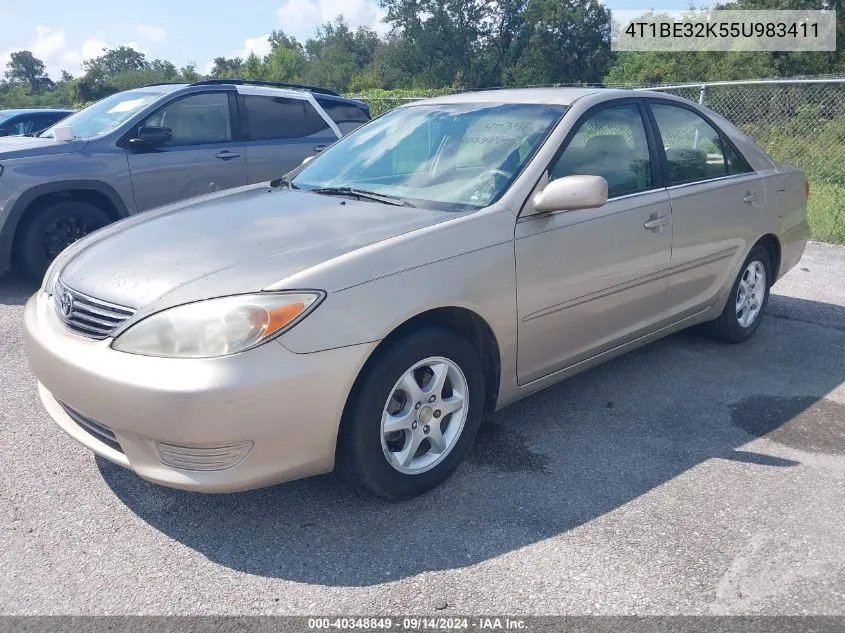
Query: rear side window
[[695, 150], [736, 161], [280, 118], [346, 116]]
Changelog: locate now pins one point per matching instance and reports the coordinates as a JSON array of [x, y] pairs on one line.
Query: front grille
[[95, 429], [86, 315]]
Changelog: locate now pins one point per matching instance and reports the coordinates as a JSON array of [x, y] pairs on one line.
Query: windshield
[[5, 115], [442, 156], [104, 116]]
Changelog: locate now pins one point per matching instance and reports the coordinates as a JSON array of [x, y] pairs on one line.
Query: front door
[[201, 157], [591, 279]]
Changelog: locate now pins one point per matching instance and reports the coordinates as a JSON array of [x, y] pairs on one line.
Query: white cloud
[[259, 45], [48, 43], [301, 18], [152, 33], [93, 48], [50, 46]]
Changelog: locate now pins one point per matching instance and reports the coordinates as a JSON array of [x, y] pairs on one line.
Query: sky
[[64, 34]]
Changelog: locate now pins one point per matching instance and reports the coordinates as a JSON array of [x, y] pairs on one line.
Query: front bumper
[[279, 408]]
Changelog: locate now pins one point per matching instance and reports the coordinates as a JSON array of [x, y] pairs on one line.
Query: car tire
[[746, 304], [53, 228], [388, 415]]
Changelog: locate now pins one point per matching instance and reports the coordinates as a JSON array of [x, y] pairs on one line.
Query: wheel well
[[91, 196], [467, 324], [772, 245]]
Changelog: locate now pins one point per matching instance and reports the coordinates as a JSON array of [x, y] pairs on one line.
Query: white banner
[[708, 30]]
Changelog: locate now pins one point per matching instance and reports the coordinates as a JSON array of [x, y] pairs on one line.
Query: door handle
[[226, 155], [749, 197], [319, 148], [656, 222]]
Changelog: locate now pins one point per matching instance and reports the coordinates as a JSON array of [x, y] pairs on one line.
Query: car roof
[[557, 96], [43, 110]]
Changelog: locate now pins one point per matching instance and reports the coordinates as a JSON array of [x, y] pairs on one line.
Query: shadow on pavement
[[540, 467], [15, 290]]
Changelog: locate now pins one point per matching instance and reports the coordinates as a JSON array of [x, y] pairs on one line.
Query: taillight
[[807, 187]]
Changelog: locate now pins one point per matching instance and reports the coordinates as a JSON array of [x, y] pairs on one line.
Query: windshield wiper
[[362, 194], [281, 181]]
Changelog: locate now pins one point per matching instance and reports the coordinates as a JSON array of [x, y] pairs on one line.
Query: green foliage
[[439, 46], [24, 69], [380, 100], [562, 42]]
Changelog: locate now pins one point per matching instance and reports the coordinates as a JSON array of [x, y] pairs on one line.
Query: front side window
[[452, 157], [694, 149], [107, 114], [610, 143], [195, 120], [281, 118]]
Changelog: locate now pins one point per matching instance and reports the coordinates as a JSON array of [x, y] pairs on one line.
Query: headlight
[[217, 327]]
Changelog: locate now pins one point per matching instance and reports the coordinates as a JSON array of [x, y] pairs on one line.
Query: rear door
[[204, 154], [281, 132], [717, 202]]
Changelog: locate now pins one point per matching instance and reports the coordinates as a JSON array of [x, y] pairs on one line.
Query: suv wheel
[[52, 229], [414, 415]]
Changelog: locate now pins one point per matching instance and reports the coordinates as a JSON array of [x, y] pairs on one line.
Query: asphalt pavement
[[687, 477]]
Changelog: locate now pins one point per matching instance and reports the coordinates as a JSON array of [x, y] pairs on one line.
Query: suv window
[[346, 116], [281, 117], [695, 150], [610, 143], [195, 119], [21, 125]]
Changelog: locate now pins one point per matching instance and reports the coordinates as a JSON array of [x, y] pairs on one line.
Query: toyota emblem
[[66, 304]]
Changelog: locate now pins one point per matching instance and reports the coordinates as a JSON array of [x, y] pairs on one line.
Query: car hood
[[23, 146], [235, 242]]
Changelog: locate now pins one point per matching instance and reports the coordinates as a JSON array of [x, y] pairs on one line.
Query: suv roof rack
[[269, 84]]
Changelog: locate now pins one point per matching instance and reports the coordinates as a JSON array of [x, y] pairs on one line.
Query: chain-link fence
[[798, 122]]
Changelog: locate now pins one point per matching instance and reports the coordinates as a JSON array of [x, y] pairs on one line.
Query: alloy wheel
[[750, 293], [424, 415]]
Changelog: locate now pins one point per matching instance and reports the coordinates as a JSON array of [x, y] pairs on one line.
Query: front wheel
[[53, 228], [414, 415], [749, 296]]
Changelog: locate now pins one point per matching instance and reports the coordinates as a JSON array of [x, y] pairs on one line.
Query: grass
[[826, 211], [817, 145]]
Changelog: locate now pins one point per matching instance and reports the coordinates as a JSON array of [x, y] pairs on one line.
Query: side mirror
[[570, 193], [152, 136]]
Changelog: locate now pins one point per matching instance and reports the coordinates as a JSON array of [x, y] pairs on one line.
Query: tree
[[227, 68], [24, 68], [337, 53], [113, 62], [439, 38], [563, 41], [285, 64], [253, 67], [189, 73]]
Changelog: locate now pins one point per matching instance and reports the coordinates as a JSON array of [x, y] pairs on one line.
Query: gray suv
[[147, 147]]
